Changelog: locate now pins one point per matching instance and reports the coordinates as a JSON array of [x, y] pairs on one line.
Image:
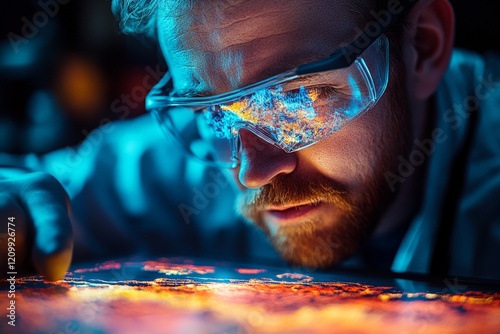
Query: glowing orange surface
[[182, 297]]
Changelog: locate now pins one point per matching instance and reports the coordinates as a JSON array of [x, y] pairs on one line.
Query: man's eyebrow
[[194, 93], [299, 81], [308, 60]]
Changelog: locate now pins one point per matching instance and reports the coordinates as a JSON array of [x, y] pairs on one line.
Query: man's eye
[[315, 93], [325, 92]]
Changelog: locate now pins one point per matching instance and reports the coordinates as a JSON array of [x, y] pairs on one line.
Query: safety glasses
[[292, 110]]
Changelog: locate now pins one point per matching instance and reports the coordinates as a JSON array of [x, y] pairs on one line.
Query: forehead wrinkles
[[219, 43], [234, 25], [216, 25], [213, 26]]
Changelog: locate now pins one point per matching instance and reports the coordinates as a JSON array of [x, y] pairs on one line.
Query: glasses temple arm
[[349, 53]]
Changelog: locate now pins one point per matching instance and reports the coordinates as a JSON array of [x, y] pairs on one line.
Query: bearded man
[[345, 131]]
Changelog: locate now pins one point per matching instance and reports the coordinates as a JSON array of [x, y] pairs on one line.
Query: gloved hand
[[34, 224]]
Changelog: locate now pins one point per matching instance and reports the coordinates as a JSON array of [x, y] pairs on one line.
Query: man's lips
[[291, 213]]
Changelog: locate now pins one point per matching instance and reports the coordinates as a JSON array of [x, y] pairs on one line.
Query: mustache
[[286, 190]]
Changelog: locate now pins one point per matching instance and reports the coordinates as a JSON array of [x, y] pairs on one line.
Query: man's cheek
[[347, 166]]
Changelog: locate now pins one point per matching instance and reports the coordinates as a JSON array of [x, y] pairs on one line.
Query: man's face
[[320, 203]]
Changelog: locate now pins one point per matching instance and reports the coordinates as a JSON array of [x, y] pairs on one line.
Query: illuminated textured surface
[[179, 296]]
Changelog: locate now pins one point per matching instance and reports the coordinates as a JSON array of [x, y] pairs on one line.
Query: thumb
[[46, 203]]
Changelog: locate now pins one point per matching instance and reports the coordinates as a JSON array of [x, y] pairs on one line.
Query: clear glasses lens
[[292, 114]]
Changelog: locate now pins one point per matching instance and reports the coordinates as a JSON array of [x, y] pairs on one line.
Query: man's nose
[[261, 161]]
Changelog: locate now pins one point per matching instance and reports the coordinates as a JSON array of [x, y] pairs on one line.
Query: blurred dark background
[[65, 68]]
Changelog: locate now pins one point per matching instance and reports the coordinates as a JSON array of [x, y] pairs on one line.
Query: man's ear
[[428, 45]]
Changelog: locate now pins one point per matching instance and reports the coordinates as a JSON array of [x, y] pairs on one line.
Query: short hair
[[136, 16]]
